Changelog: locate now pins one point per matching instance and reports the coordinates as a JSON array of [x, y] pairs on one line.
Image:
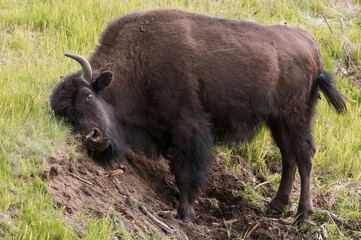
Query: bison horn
[[87, 69]]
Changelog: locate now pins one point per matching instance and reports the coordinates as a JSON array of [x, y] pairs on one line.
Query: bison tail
[[332, 94]]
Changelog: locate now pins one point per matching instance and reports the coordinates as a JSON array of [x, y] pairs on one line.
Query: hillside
[[51, 189]]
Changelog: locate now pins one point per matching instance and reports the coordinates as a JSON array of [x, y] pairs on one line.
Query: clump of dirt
[[83, 186]]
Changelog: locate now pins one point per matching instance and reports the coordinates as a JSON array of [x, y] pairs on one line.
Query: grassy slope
[[35, 34]]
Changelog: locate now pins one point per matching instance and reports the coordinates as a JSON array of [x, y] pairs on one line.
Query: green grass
[[35, 34]]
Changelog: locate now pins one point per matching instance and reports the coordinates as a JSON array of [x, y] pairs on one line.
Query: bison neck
[[151, 145]]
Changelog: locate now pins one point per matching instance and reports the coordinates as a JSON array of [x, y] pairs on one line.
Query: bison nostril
[[94, 135]]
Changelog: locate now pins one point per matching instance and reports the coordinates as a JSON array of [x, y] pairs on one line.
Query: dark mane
[[62, 97]]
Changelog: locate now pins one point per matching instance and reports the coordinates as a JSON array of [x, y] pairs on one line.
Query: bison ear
[[103, 81]]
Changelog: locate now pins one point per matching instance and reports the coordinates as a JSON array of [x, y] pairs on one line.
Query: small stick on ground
[[254, 228], [161, 224], [329, 26], [335, 219], [284, 221], [114, 179], [344, 44], [261, 184], [81, 179], [324, 231], [114, 173], [330, 219]]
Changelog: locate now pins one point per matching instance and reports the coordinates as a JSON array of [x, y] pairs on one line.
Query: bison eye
[[90, 97]]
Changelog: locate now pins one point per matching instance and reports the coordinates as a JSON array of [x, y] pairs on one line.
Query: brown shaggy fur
[[182, 80]]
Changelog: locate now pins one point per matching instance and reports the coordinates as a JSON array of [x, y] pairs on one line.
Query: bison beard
[[171, 82]]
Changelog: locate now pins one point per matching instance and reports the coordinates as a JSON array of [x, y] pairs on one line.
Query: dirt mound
[[84, 187]]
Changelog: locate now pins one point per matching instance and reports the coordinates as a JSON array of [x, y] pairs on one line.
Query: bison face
[[93, 119], [79, 99]]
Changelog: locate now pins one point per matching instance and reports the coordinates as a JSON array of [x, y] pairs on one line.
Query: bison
[[172, 82]]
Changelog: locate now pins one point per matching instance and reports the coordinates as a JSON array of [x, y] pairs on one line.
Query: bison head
[[79, 99]]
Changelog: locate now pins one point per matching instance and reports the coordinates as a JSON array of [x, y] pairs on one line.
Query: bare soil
[[82, 187]]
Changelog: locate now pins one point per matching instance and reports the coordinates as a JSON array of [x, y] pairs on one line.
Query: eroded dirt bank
[[82, 186]]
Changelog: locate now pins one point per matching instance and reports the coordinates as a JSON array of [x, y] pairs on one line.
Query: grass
[[35, 34]]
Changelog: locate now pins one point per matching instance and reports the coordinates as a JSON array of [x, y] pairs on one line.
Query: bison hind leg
[[282, 137], [298, 149]]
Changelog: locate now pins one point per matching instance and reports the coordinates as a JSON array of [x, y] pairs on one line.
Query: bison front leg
[[190, 165]]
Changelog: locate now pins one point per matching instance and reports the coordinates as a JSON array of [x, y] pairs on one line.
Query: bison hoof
[[272, 212], [186, 215], [303, 218], [186, 218], [277, 207]]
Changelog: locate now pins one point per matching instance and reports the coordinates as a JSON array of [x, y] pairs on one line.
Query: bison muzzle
[[172, 82]]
